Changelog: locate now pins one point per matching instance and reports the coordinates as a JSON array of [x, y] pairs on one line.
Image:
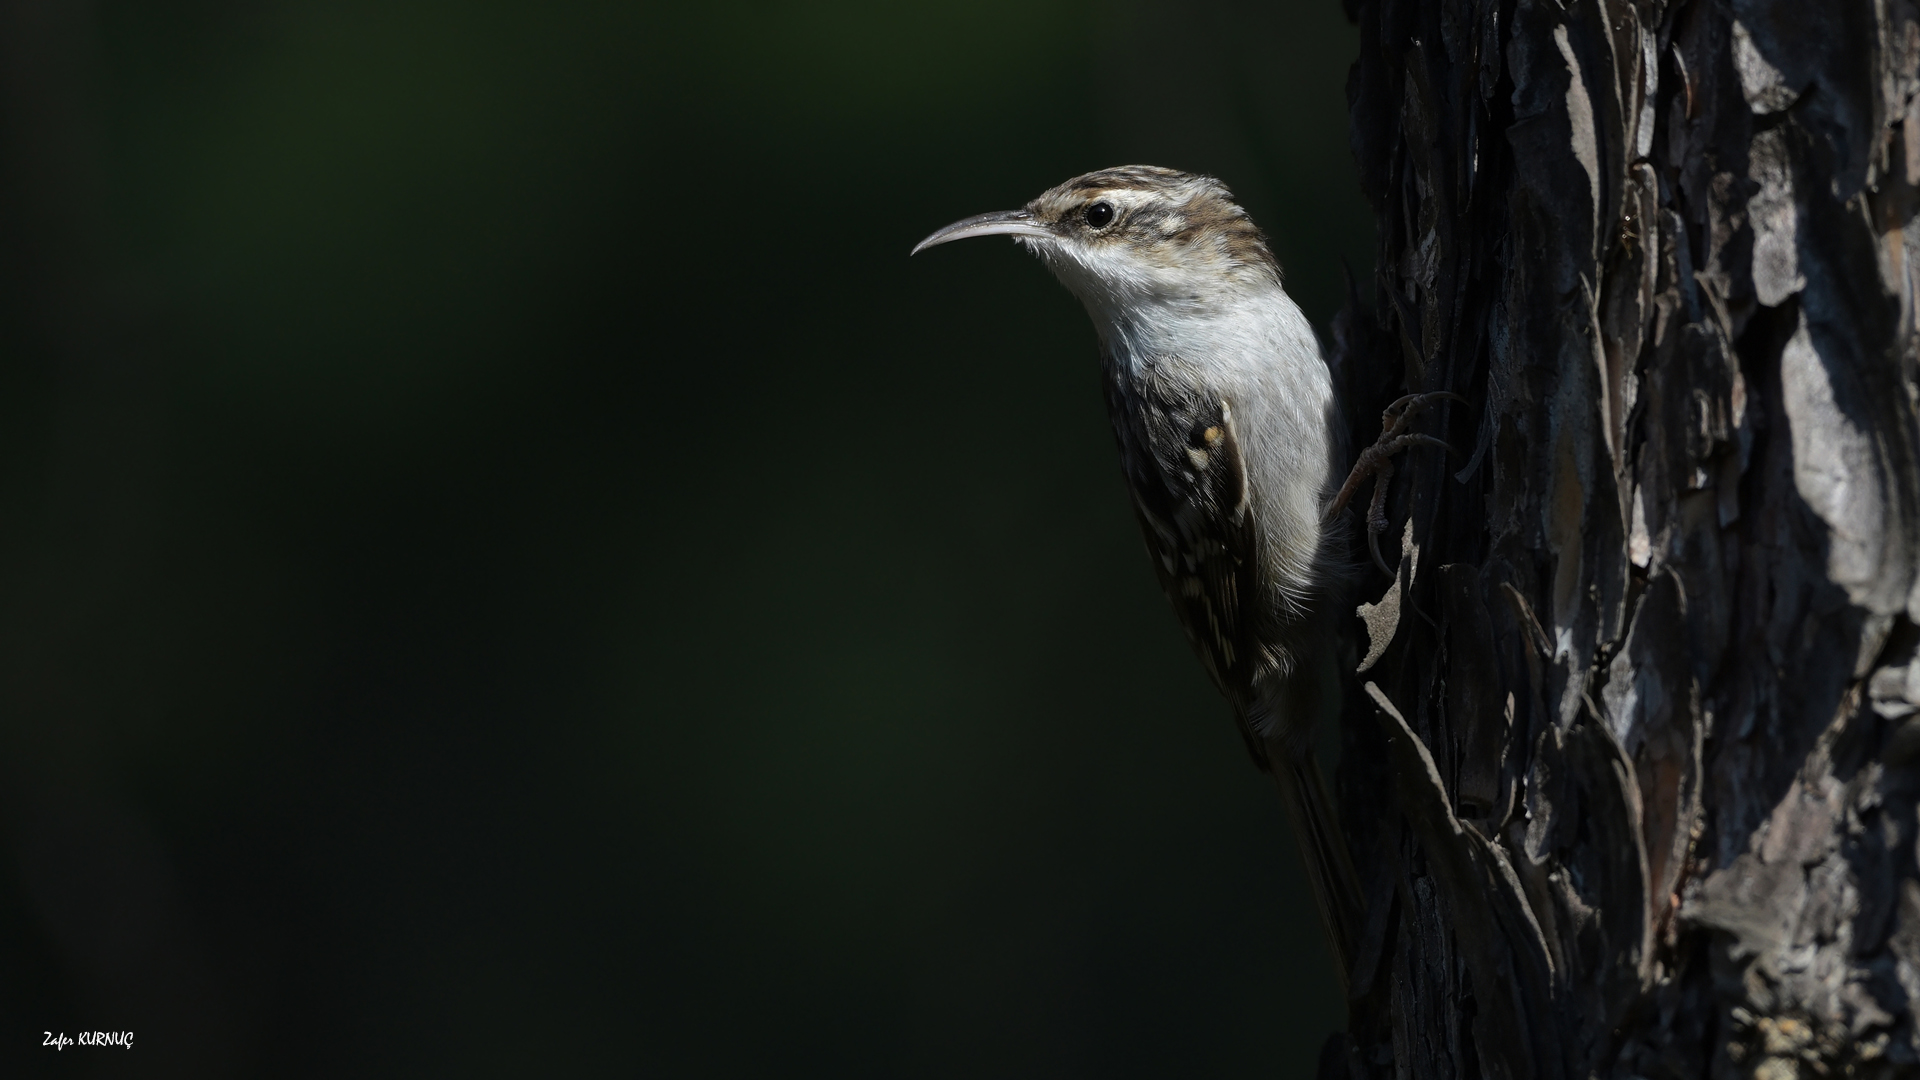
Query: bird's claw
[[1377, 461], [1413, 404]]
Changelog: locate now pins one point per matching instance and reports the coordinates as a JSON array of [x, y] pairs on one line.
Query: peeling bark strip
[[1645, 689]]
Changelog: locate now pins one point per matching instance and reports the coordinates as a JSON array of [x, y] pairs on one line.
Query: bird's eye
[[1099, 214]]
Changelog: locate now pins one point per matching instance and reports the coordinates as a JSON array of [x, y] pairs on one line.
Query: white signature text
[[123, 1039]]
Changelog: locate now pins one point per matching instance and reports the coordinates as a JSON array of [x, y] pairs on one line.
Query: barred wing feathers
[[1189, 483]]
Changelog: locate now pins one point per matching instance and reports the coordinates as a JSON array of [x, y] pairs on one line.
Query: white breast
[[1255, 350]]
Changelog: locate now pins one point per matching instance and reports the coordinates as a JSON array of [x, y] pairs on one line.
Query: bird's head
[[1136, 237]]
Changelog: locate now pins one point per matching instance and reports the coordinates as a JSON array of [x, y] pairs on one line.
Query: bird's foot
[[1377, 461]]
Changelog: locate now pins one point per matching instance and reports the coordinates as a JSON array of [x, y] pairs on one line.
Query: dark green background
[[509, 570]]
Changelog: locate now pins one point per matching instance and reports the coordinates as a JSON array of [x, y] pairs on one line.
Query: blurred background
[[509, 570]]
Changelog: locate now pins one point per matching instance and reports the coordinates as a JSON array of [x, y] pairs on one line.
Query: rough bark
[[1643, 691]]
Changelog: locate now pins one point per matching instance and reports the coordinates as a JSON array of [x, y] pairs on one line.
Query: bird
[[1225, 414]]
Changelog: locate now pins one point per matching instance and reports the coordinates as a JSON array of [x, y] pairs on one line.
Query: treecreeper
[[1225, 414]]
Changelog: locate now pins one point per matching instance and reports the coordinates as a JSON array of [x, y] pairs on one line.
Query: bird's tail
[[1323, 848]]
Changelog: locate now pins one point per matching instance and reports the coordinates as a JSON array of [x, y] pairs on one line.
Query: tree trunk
[[1642, 689]]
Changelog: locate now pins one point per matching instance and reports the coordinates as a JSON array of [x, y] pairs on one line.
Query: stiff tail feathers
[[1323, 848]]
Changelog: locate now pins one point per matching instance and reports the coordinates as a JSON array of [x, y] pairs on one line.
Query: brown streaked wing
[[1193, 509]]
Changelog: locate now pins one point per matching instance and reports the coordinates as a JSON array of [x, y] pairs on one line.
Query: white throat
[[1237, 337]]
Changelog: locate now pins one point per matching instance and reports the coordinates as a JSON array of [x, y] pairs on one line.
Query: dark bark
[[1643, 692]]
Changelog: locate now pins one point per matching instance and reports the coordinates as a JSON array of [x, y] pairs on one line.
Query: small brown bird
[[1223, 409]]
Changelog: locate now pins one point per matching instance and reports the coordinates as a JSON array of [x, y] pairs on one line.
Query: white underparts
[[1233, 334]]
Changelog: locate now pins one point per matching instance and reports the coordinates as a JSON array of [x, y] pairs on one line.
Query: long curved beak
[[998, 223]]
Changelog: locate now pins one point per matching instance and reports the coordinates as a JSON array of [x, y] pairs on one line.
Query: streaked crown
[[1169, 218], [1136, 238]]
